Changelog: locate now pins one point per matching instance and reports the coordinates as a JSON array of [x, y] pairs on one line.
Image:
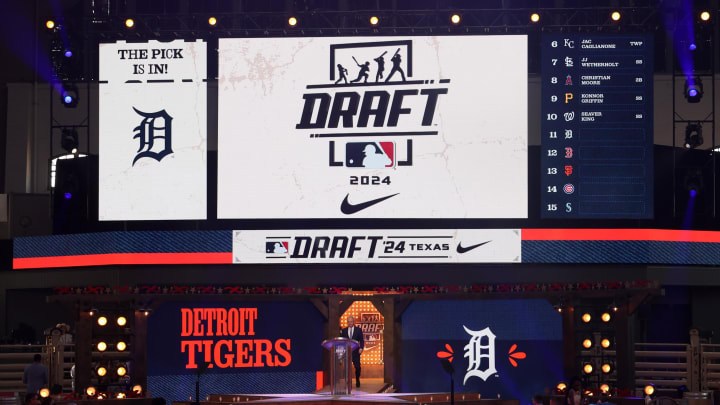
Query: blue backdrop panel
[[532, 326], [170, 377]]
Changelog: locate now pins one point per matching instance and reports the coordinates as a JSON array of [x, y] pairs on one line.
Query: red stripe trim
[[662, 235], [122, 258]]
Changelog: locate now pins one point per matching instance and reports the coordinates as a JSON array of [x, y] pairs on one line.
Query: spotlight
[[50, 24], [704, 16], [605, 343], [587, 343], [615, 16], [68, 53], [101, 395], [693, 193], [455, 19], [146, 313], [44, 393], [101, 371], [589, 392], [212, 21], [69, 140], [588, 368], [607, 368], [692, 47], [534, 17], [120, 395], [121, 346], [693, 135], [561, 387], [605, 317], [101, 346], [122, 321], [693, 89], [102, 321], [69, 96], [586, 317], [614, 308], [374, 20], [292, 21], [604, 388], [121, 371], [129, 23], [90, 391], [137, 389], [67, 195], [649, 389]]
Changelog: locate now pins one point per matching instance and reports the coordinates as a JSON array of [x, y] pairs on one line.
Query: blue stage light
[[692, 92], [68, 53], [68, 196], [693, 47], [693, 193], [67, 99]]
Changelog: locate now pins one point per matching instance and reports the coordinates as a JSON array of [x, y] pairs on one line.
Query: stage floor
[[358, 397]]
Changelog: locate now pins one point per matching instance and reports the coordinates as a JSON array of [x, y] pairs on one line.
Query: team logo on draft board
[[569, 188], [154, 133], [370, 155], [371, 93]]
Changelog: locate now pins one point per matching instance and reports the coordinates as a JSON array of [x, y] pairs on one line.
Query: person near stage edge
[[355, 333], [574, 393], [35, 375]]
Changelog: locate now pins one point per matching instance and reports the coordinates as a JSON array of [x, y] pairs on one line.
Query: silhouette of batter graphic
[[374, 159], [342, 72], [380, 66], [363, 73], [396, 61]]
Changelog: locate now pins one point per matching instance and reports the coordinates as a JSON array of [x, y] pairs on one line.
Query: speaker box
[[75, 197]]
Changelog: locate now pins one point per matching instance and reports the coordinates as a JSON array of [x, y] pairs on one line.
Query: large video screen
[[498, 348], [597, 126], [381, 127], [243, 347], [153, 131]]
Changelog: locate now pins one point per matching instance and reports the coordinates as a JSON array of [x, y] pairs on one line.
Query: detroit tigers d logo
[[154, 135]]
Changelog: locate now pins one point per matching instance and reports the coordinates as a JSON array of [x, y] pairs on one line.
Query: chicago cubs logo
[[569, 188]]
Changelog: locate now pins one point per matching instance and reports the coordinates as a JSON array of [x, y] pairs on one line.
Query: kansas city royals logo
[[476, 351], [154, 134]]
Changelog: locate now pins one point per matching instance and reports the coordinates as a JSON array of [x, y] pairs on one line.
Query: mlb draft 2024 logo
[[371, 111], [480, 352]]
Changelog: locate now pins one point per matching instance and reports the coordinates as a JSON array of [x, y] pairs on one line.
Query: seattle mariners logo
[[154, 135]]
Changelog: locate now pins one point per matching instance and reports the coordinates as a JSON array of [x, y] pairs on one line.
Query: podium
[[340, 364]]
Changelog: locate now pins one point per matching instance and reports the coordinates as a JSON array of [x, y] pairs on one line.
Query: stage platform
[[358, 397]]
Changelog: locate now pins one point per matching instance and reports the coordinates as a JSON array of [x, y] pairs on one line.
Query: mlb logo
[[370, 155], [277, 247]]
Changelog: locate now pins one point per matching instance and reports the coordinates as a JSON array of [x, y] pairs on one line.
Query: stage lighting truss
[[357, 22]]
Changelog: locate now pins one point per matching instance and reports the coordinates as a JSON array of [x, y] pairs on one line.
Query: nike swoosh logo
[[461, 249], [348, 208]]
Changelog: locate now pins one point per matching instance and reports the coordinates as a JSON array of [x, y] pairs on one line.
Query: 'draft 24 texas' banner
[[511, 348], [262, 347], [381, 127], [153, 135]]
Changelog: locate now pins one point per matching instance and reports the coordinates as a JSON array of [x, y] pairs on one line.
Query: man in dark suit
[[355, 333]]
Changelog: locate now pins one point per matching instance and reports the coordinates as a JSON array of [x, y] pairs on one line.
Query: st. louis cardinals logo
[[154, 135]]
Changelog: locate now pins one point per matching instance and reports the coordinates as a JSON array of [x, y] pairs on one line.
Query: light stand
[[450, 370]]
